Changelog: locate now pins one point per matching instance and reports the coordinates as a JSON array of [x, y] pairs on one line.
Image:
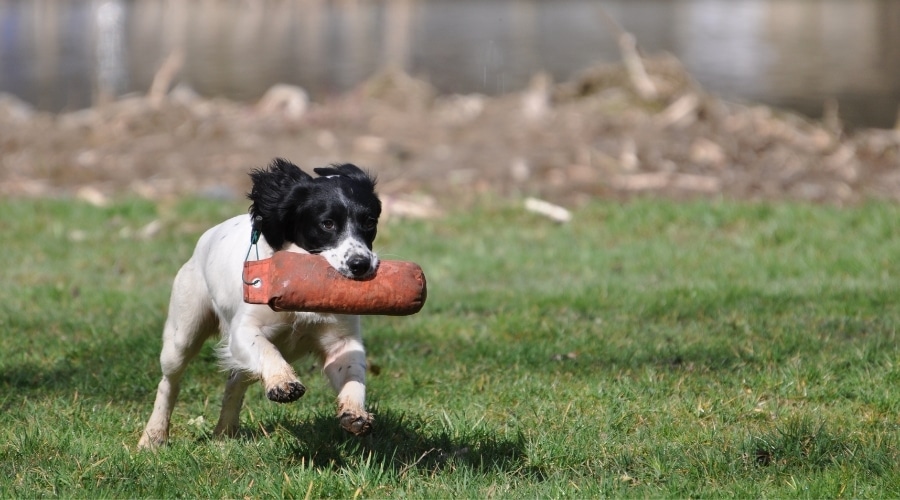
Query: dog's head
[[334, 215]]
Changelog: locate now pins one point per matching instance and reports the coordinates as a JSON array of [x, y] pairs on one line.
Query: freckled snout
[[353, 259]]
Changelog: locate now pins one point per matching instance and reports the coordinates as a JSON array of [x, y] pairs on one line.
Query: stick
[[632, 58], [164, 76]]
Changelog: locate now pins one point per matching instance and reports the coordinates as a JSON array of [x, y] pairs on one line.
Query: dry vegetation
[[601, 135]]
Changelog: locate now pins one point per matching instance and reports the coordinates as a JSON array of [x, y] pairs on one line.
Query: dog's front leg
[[345, 367], [253, 352]]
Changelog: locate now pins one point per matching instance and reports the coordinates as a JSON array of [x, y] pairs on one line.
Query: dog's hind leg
[[191, 320], [229, 418]]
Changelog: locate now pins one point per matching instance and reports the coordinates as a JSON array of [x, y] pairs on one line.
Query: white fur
[[350, 247], [256, 343]]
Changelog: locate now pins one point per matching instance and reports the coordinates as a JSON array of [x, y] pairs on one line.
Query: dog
[[334, 215]]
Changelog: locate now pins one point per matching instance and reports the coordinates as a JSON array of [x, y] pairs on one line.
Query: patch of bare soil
[[605, 134]]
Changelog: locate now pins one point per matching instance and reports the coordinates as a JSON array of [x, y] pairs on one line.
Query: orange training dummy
[[290, 281]]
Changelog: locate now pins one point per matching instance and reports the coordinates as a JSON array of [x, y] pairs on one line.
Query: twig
[[164, 76], [682, 112], [831, 116], [661, 180], [635, 66], [547, 209], [632, 58], [407, 468]]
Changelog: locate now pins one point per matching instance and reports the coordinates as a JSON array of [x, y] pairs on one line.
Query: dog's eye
[[370, 223], [328, 225]]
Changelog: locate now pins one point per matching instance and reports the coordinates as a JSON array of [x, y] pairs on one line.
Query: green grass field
[[647, 349]]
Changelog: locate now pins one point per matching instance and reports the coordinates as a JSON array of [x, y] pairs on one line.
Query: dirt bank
[[602, 135]]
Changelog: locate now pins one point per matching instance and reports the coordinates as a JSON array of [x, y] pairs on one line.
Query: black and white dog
[[334, 215]]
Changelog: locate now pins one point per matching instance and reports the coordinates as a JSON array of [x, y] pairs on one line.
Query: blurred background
[[65, 55]]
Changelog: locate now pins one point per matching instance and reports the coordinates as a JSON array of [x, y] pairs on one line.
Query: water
[[790, 53]]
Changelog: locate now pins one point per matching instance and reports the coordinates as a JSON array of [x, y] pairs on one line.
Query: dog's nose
[[359, 265]]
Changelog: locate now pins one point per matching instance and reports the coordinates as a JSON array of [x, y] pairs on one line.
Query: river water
[[62, 55]]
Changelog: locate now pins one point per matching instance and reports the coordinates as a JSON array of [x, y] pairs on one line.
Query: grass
[[651, 349]]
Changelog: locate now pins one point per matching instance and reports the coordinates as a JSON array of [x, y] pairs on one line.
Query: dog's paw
[[287, 392], [151, 440], [226, 431], [356, 424]]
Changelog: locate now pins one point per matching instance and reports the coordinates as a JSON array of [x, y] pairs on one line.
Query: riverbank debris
[[565, 143]]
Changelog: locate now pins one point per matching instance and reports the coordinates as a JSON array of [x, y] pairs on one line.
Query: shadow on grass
[[802, 443], [404, 444], [124, 369]]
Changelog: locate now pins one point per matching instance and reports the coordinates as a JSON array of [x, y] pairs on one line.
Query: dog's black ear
[[347, 170], [272, 189], [280, 175]]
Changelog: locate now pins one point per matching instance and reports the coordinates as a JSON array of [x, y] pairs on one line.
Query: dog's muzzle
[[360, 266]]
